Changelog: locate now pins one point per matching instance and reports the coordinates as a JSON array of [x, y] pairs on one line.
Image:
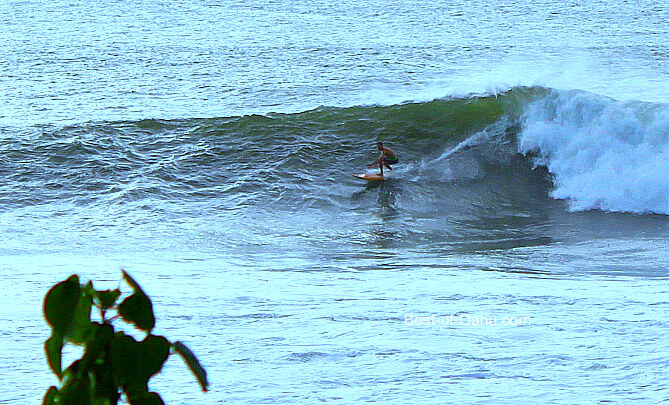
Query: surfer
[[387, 158]]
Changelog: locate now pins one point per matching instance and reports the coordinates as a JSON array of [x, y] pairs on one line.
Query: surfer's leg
[[387, 162]]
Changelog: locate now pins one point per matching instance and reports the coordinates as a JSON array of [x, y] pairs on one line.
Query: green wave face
[[303, 158]]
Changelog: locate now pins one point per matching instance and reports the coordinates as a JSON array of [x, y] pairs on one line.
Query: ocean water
[[517, 253]]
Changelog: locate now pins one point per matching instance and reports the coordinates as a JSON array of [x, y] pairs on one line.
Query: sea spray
[[604, 154]]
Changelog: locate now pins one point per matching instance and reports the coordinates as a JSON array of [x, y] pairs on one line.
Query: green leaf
[[104, 299], [54, 353], [107, 298], [60, 305], [154, 352], [134, 362], [123, 357], [74, 370], [50, 397], [148, 399], [83, 327], [104, 401], [137, 308], [131, 281], [75, 391], [100, 339], [193, 364], [105, 387]]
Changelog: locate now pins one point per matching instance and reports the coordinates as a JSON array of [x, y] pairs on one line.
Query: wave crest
[[604, 154]]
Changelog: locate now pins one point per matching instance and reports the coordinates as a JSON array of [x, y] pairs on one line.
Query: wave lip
[[604, 154]]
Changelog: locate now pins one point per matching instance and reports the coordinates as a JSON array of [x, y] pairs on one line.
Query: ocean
[[516, 254]]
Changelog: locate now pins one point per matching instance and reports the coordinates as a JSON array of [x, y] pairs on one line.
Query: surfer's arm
[[377, 161]]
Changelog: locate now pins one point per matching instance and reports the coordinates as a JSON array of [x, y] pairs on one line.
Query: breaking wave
[[604, 154], [601, 153]]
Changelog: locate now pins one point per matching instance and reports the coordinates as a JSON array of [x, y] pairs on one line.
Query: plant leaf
[[82, 326], [100, 339], [54, 353], [75, 391], [148, 399], [60, 305], [137, 308], [131, 281], [154, 351], [50, 397], [133, 363], [107, 298], [104, 386], [193, 364], [123, 357]]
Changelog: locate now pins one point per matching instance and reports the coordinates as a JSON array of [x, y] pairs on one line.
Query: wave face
[[601, 154], [604, 154]]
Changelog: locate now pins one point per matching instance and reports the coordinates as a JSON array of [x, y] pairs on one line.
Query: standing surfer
[[387, 158]]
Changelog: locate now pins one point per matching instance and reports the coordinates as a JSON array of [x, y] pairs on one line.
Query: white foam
[[572, 69], [604, 154]]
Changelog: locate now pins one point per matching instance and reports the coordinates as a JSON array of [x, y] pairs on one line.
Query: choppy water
[[516, 255]]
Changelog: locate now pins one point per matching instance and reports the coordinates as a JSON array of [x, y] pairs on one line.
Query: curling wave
[[604, 154]]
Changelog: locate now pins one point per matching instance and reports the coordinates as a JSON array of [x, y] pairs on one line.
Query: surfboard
[[370, 176]]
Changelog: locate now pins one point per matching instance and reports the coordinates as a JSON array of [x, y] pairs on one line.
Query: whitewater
[[604, 154], [517, 254]]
